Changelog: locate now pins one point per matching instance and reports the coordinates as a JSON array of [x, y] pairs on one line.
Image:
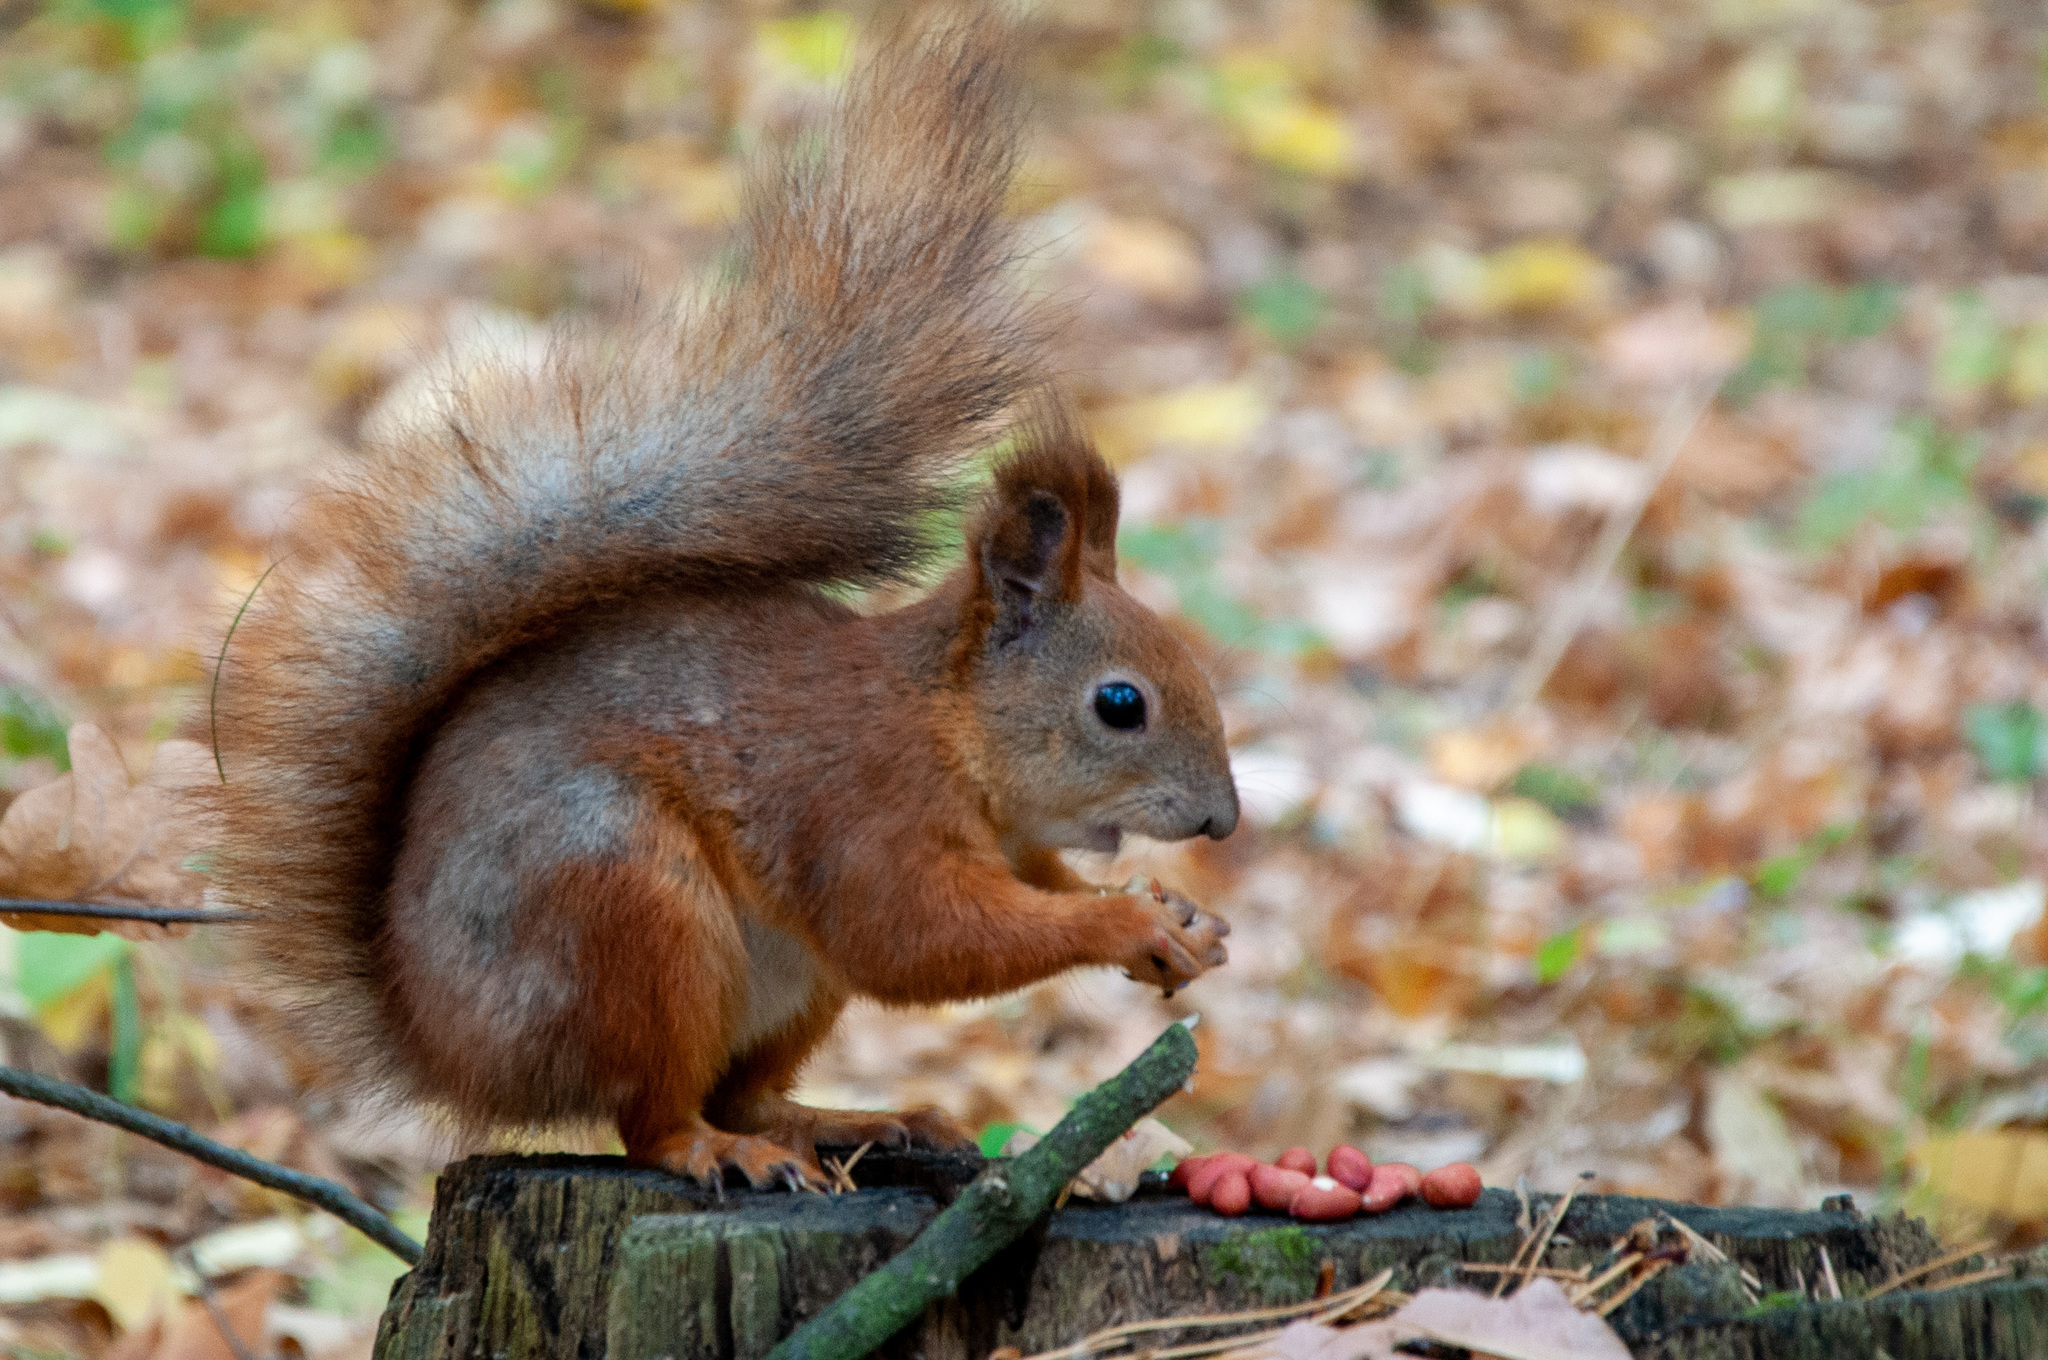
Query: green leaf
[[50, 967], [1563, 792], [995, 1135], [1286, 307], [29, 727], [1972, 353], [1866, 310], [1776, 877], [1556, 956], [2008, 740]]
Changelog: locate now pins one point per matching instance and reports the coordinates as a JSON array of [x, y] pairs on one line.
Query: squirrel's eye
[[1120, 705]]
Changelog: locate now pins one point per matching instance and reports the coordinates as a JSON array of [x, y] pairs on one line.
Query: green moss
[[1277, 1265]]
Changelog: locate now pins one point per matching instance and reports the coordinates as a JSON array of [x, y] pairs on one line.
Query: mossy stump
[[542, 1257]]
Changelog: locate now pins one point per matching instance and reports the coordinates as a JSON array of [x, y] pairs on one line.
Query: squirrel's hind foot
[[926, 1126], [705, 1154]]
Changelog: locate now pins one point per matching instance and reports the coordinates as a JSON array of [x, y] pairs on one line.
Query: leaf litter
[[1732, 894]]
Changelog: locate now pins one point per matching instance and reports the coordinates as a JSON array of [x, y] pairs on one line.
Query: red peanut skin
[[1409, 1174], [1232, 1195], [1315, 1204], [1350, 1167], [1186, 1167], [1387, 1188], [1451, 1187], [1202, 1180], [1274, 1187], [1297, 1159]]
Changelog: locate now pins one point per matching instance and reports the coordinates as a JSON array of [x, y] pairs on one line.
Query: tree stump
[[544, 1257]]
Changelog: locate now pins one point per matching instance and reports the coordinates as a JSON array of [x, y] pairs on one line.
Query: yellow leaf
[[1303, 137], [79, 1014], [1542, 275], [814, 46], [1258, 97], [1526, 831], [135, 1280], [2026, 380], [1208, 417], [2001, 1172]]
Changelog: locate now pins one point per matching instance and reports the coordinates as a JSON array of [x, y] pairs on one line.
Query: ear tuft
[[1049, 520]]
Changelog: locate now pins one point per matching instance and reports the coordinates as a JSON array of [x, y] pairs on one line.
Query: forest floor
[[1597, 446]]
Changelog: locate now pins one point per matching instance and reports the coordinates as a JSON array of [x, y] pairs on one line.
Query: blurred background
[[1597, 446]]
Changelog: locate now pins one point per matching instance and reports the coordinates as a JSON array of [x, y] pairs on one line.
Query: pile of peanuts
[[1230, 1183]]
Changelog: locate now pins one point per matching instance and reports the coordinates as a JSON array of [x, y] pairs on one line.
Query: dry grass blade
[[1751, 1285], [1628, 1291], [1606, 1277], [840, 1174], [1541, 1242], [1334, 1305], [1242, 1345], [1681, 417], [2000, 1271], [1940, 1262], [1827, 1272], [1547, 1272]]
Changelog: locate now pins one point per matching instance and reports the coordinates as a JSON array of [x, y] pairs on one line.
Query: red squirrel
[[563, 787]]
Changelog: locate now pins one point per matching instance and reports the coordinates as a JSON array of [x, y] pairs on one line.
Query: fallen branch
[[314, 1190], [993, 1211], [117, 911]]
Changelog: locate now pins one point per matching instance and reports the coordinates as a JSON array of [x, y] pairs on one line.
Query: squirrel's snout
[[1223, 821]]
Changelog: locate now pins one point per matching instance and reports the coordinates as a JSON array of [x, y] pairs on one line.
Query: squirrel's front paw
[[1183, 943]]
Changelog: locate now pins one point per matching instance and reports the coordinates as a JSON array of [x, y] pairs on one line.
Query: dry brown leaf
[[192, 1332], [1537, 1323], [91, 835]]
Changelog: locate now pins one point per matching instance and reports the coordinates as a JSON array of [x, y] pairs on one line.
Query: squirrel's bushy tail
[[800, 423]]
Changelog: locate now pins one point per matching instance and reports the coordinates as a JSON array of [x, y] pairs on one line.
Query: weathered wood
[[992, 1212], [585, 1257]]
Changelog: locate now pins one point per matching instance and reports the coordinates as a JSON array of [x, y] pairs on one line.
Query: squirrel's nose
[[1222, 823]]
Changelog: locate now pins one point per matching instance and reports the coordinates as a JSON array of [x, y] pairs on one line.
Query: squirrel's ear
[[1021, 557]]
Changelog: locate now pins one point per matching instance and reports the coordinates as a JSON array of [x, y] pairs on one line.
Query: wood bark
[[586, 1257]]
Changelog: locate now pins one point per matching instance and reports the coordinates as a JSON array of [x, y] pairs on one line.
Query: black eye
[[1119, 705]]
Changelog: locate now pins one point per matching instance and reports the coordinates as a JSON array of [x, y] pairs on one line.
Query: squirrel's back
[[800, 425]]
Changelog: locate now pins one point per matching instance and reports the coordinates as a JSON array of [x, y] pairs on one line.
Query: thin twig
[[1940, 1262], [1827, 1272], [314, 1190], [1628, 1291], [1095, 1343], [1688, 404], [221, 1322], [116, 911]]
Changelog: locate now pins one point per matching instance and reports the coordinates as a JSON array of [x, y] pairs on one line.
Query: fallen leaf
[[134, 1280], [91, 835], [1536, 1323], [191, 1331]]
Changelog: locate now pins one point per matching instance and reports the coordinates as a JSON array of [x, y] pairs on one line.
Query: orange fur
[[560, 790]]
